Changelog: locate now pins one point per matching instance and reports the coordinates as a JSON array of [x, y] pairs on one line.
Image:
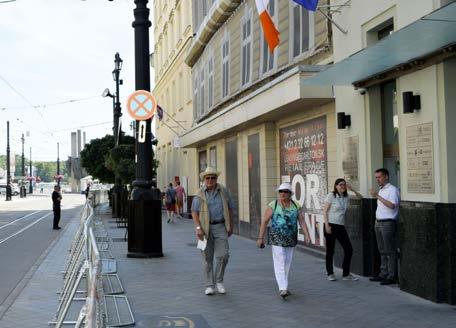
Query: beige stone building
[[254, 118], [173, 34]]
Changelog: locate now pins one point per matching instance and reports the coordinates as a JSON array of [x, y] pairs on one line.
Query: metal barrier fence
[[89, 297], [83, 270]]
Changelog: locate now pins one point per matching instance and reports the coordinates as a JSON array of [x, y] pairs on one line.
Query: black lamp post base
[[145, 228], [143, 255]]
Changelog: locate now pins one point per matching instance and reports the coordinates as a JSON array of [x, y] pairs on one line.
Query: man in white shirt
[[385, 226]]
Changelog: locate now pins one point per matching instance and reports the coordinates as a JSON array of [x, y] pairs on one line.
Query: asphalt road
[[25, 234]]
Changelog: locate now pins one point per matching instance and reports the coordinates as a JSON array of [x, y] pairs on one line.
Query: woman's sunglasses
[[211, 178], [285, 191]]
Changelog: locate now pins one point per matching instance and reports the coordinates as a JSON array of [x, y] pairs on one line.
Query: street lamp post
[[8, 164], [30, 173], [117, 110], [117, 190], [22, 190], [58, 165], [144, 224]]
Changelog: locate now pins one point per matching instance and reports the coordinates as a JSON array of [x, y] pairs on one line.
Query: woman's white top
[[336, 213]]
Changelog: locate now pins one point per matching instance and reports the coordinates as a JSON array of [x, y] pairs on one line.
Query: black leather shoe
[[376, 278], [388, 282], [56, 228]]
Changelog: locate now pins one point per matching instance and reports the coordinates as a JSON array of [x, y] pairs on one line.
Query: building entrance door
[[390, 131]]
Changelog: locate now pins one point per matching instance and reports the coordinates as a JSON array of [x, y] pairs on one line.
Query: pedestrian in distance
[[284, 214], [335, 207], [388, 199], [170, 202], [180, 194], [56, 199], [212, 213], [87, 190]]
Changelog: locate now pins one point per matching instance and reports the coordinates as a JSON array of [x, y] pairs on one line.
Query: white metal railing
[[84, 262]]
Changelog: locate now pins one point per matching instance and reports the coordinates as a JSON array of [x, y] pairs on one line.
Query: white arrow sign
[[142, 132]]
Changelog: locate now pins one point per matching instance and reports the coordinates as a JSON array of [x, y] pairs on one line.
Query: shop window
[[213, 156]]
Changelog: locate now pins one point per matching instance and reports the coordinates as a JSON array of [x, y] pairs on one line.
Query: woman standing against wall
[[334, 210]]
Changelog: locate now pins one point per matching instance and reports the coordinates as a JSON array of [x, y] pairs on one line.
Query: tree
[[121, 160], [94, 156]]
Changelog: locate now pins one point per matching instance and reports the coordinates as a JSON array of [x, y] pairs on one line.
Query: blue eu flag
[[308, 4]]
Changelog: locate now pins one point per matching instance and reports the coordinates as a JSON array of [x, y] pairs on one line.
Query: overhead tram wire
[[69, 101], [26, 100]]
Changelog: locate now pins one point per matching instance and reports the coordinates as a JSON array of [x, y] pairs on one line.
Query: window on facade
[[210, 82], [202, 92], [195, 94], [302, 29], [384, 32], [268, 58], [246, 50], [213, 156], [225, 64]]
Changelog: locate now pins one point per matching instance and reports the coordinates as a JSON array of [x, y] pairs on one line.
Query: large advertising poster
[[303, 163]]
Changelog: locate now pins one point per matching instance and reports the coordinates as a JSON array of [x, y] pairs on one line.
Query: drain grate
[[119, 240]]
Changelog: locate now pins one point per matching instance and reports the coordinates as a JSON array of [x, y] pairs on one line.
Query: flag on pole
[[159, 112], [271, 34], [308, 4]]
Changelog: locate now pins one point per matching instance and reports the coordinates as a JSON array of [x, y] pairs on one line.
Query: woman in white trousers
[[284, 214]]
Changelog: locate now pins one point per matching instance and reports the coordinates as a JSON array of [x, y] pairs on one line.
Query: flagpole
[[344, 31]]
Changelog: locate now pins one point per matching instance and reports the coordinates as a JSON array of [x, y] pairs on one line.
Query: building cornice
[[218, 14]]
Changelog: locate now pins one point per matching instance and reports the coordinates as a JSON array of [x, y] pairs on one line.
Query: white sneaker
[[332, 277], [209, 291], [350, 277], [220, 288]]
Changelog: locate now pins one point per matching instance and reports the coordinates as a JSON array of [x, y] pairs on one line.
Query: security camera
[[362, 91]]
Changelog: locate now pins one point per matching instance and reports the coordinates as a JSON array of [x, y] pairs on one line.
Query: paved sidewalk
[[170, 290]]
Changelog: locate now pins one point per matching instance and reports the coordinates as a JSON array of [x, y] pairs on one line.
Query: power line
[[16, 91], [51, 104]]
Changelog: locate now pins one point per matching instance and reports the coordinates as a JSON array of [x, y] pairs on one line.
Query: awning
[[419, 39]]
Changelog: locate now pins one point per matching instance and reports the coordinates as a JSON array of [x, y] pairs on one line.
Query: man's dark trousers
[[56, 216]]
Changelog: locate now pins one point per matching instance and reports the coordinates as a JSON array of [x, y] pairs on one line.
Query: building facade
[[371, 90], [254, 120], [395, 76], [173, 35]]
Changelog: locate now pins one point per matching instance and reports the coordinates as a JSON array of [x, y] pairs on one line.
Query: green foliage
[[46, 170], [93, 158], [121, 160], [103, 160]]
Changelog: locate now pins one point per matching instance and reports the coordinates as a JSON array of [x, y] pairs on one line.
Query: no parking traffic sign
[[141, 105]]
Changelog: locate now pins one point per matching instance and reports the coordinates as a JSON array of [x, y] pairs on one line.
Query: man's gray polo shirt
[[214, 202]]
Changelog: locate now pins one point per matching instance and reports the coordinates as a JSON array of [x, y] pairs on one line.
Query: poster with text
[[303, 163]]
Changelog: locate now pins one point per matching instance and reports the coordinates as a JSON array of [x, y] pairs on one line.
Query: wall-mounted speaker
[[410, 102], [343, 120]]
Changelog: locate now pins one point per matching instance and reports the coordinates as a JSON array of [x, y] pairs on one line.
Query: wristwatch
[[198, 228]]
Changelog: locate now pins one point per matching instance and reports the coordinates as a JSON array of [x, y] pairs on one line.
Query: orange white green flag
[[271, 34]]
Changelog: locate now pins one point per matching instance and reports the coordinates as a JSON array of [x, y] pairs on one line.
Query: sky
[[55, 51]]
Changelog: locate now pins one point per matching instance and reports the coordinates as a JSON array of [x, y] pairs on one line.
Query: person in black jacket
[[56, 198]]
